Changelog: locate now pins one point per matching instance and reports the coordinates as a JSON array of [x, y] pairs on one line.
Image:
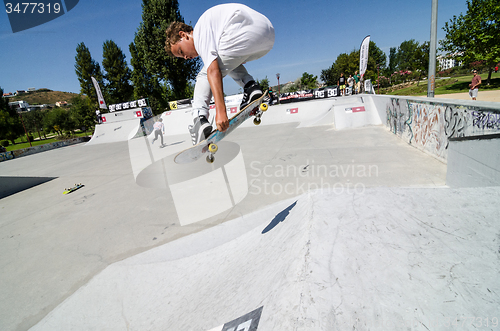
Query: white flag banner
[[102, 103], [363, 55]]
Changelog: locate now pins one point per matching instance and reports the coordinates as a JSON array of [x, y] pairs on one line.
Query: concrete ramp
[[119, 126], [308, 113], [345, 112], [383, 259], [354, 112], [115, 132]]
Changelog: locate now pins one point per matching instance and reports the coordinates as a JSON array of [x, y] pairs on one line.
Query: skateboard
[[74, 188], [209, 145]]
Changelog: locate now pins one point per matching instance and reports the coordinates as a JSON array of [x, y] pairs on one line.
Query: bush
[[401, 76], [5, 143], [384, 81], [66, 135]]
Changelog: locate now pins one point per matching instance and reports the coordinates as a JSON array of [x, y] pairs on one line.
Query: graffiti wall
[[429, 126], [41, 148]]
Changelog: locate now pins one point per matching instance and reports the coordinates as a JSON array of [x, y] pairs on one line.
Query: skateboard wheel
[[212, 148], [256, 121], [210, 158], [263, 106]]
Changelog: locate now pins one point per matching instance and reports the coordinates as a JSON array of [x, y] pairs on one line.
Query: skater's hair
[[173, 37]]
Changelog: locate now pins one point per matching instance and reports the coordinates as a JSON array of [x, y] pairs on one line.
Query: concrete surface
[[375, 237], [337, 262], [482, 95]]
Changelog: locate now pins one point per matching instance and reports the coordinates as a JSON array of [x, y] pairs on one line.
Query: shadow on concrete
[[279, 218], [13, 185]]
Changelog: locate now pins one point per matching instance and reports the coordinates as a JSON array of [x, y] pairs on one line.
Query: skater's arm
[[215, 81]]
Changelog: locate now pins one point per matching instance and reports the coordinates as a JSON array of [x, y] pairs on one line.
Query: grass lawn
[[450, 85], [21, 142]]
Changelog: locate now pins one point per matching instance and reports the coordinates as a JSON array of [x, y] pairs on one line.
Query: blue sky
[[309, 36]]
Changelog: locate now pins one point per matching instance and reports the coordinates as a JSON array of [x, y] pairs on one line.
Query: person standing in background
[[341, 84], [476, 81]]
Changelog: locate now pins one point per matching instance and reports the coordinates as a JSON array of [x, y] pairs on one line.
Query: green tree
[[264, 83], [117, 74], [392, 61], [422, 60], [58, 120], [331, 75], [349, 64], [328, 75], [85, 68], [4, 102], [33, 121], [82, 112], [308, 81], [475, 35], [145, 83], [10, 124], [377, 61], [169, 78], [407, 55]]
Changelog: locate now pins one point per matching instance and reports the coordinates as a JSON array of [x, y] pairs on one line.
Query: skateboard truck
[[262, 108], [212, 149]]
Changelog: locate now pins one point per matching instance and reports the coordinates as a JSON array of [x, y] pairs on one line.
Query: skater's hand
[[222, 121]]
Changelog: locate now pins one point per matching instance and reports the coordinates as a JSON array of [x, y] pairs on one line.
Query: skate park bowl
[[359, 212]]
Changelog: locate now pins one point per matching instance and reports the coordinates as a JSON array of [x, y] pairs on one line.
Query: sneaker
[[251, 92], [200, 130]]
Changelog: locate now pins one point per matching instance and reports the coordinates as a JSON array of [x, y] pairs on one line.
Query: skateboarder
[[225, 37], [159, 128]]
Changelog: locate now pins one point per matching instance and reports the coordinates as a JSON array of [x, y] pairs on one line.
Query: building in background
[[448, 61], [19, 106]]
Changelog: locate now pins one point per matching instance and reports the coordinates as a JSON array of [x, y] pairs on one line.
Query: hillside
[[44, 96]]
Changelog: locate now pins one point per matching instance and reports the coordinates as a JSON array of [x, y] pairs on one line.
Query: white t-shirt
[[230, 30], [159, 126]]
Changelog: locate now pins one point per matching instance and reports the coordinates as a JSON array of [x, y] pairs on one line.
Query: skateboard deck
[[255, 108], [74, 188]]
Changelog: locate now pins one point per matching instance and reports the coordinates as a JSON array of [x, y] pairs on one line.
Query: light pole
[[279, 91], [431, 76]]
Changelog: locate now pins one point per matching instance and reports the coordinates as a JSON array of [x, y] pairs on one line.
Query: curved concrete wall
[[474, 161], [428, 124]]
